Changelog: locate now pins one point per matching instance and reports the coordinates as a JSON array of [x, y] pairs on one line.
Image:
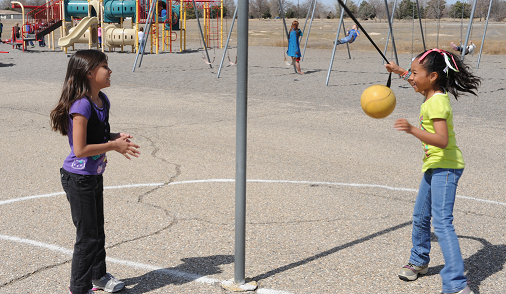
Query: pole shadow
[[328, 252], [191, 269], [484, 263]]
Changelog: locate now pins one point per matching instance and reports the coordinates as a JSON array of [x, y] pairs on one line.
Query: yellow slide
[[79, 30]]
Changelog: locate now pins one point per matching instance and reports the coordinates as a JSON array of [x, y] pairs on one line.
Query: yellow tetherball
[[378, 101]]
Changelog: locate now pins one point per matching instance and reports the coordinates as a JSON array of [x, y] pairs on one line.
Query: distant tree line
[[430, 9], [365, 9], [375, 9]]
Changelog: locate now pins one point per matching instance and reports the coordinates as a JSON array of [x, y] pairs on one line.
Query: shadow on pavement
[[484, 263], [191, 269], [328, 252]]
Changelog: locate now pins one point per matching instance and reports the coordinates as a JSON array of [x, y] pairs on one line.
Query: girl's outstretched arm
[[438, 139], [121, 144], [392, 67]]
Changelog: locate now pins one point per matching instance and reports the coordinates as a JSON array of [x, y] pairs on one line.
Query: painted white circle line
[[141, 266], [184, 275], [251, 181]]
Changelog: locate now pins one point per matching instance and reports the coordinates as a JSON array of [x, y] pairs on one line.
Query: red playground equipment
[[40, 21], [80, 21]]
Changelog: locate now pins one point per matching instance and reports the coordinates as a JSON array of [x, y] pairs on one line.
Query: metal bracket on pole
[[201, 34], [228, 39]]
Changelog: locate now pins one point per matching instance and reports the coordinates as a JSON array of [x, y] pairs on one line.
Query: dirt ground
[[407, 35]]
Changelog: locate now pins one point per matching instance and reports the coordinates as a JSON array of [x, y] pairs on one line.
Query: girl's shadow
[[191, 269], [484, 263]]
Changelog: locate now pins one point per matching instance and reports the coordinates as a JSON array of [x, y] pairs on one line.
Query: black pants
[[85, 195]]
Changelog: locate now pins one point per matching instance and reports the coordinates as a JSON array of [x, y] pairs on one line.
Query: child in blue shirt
[[351, 35]]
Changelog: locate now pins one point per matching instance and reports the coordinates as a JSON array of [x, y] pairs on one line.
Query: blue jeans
[[85, 196], [346, 39], [435, 199]]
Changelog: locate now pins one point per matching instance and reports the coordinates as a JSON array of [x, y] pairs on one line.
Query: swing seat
[[205, 60], [230, 61], [289, 61]]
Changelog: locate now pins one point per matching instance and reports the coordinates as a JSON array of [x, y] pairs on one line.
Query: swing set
[[390, 33]]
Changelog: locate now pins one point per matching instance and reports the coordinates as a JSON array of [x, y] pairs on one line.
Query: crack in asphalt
[[27, 275], [139, 200]]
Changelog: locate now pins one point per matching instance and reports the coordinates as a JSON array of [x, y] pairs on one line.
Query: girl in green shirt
[[435, 73]]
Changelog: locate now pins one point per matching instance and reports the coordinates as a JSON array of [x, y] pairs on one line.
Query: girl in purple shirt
[[82, 114]]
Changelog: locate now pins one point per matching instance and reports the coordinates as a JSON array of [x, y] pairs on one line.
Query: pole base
[[232, 286]]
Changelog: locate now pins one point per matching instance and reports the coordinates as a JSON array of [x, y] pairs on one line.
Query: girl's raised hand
[[125, 146], [392, 67]]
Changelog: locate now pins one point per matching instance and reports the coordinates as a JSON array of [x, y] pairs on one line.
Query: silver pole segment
[[484, 33], [389, 31], [468, 30], [202, 34], [347, 44], [335, 44], [421, 28], [307, 15], [147, 29], [228, 39], [241, 133], [308, 31], [282, 10]]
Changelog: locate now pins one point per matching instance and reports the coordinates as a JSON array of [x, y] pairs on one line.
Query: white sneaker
[[108, 283]]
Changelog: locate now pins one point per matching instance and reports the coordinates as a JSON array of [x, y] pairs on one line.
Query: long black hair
[[456, 81], [75, 86]]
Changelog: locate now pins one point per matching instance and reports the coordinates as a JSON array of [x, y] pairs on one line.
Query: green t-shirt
[[438, 106]]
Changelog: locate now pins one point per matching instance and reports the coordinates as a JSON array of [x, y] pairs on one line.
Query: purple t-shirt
[[92, 165]]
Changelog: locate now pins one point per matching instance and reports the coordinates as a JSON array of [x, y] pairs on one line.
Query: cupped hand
[[125, 146]]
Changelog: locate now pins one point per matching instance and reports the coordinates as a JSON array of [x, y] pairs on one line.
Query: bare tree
[[482, 8], [5, 4], [350, 5], [498, 10], [432, 10], [288, 8], [379, 6], [230, 7], [274, 7]]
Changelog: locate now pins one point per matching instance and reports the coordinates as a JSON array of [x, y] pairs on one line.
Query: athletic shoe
[[108, 283], [410, 272], [454, 47], [466, 290], [89, 292]]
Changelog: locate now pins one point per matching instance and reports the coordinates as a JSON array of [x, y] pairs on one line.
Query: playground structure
[[79, 21]]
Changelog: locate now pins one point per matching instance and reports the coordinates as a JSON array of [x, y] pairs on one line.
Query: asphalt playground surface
[[330, 190]]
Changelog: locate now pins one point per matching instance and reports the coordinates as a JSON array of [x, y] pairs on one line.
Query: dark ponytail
[[455, 82]]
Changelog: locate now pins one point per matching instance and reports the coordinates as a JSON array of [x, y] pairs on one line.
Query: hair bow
[[446, 58]]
